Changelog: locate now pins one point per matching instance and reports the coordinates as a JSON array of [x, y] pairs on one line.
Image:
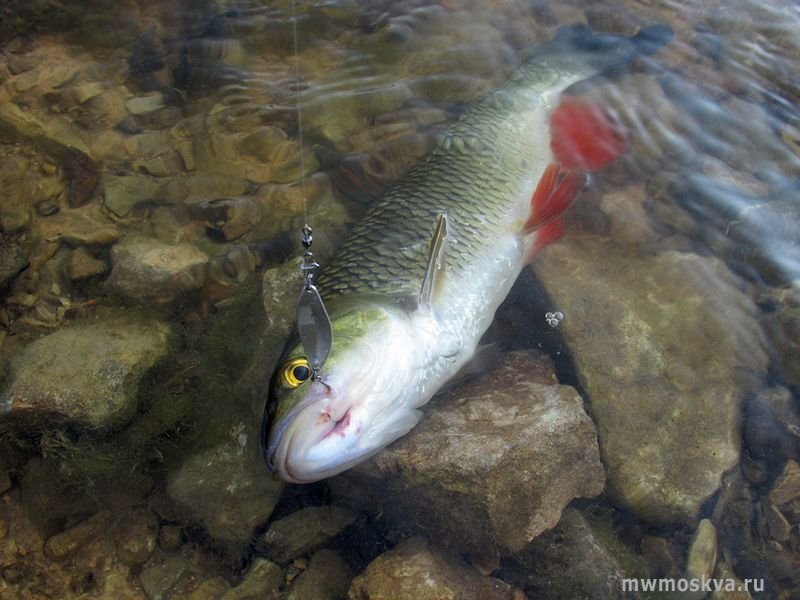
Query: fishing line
[[313, 322], [299, 115]]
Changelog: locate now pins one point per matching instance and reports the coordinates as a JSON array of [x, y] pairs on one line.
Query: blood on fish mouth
[[340, 427]]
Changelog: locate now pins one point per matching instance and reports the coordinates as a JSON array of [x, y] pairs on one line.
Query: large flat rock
[[666, 347]]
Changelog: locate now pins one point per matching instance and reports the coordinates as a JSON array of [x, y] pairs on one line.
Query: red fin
[[546, 235], [584, 136], [555, 193]]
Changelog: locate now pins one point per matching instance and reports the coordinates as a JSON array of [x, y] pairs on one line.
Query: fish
[[417, 282]]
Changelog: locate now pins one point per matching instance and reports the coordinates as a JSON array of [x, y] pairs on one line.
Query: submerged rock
[[261, 581], [702, 558], [490, 466], [123, 192], [148, 271], [12, 260], [416, 570], [787, 486], [63, 544], [666, 347], [83, 265], [327, 576], [227, 488], [304, 531], [79, 227], [86, 374], [579, 558]]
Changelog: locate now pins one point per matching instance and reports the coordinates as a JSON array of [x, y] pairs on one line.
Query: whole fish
[[417, 283]]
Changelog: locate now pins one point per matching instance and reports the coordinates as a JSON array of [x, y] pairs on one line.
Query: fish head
[[313, 429]]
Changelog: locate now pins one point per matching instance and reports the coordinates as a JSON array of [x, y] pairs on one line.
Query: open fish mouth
[[309, 443]]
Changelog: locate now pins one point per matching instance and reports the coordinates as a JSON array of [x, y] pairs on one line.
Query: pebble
[[79, 227], [82, 265], [303, 531], [787, 486], [5, 478], [261, 581], [702, 551], [157, 580], [416, 569], [148, 271], [144, 105], [170, 537], [777, 525], [14, 219], [138, 537], [326, 576], [67, 542], [47, 208], [210, 589], [12, 260]]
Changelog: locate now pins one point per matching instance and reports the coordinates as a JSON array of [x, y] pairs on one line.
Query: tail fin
[[605, 52]]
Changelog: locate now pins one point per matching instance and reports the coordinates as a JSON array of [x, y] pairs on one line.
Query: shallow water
[[150, 221]]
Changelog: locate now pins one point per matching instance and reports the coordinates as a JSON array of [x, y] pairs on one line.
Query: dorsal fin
[[436, 263]]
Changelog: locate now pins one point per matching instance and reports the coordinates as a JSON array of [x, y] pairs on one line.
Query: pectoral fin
[[434, 270], [555, 193]]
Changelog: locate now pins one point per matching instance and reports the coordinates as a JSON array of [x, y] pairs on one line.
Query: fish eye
[[295, 372]]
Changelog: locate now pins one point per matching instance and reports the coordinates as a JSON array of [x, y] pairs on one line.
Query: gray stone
[[778, 526], [67, 542], [666, 347], [736, 589], [5, 478], [200, 187], [581, 557], [279, 290], [14, 219], [211, 589], [148, 271], [783, 327], [787, 486], [335, 117], [82, 265], [260, 583], [491, 465], [85, 374], [227, 488], [304, 531], [170, 537], [157, 580], [702, 552], [144, 105], [123, 192], [139, 531], [12, 260], [79, 227], [83, 92], [327, 576], [416, 570]]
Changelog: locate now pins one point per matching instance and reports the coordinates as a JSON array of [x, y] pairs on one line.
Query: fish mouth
[[293, 450]]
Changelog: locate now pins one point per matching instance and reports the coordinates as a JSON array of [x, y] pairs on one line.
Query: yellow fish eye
[[295, 372]]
